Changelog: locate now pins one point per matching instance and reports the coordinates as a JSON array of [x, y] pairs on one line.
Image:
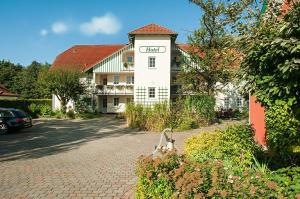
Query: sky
[[41, 29]]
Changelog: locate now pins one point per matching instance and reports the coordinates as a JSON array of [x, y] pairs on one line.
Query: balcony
[[114, 90]]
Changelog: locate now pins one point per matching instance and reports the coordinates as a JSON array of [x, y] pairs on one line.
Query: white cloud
[[59, 28], [106, 24], [43, 32]]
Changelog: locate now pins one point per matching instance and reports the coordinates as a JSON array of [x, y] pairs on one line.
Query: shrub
[[288, 180], [202, 106], [31, 106], [34, 110], [45, 110], [71, 114], [283, 132], [155, 118], [234, 145], [180, 115], [172, 176]]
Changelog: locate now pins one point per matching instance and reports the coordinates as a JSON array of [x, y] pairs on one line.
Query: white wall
[[232, 92], [110, 104], [158, 77]]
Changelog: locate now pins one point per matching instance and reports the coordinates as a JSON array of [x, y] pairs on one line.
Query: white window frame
[[116, 99], [151, 62], [151, 92], [239, 102], [116, 77], [226, 102]]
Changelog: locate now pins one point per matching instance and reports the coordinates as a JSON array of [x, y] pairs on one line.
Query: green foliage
[[212, 56], [288, 180], [154, 118], [37, 110], [83, 104], [8, 71], [271, 66], [34, 107], [283, 132], [70, 114], [24, 80], [181, 115], [234, 145], [202, 106], [172, 176], [65, 84]]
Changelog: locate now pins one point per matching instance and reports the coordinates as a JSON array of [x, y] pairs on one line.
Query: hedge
[[24, 104]]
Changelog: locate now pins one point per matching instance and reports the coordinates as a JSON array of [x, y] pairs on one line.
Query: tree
[[26, 81], [64, 84], [272, 63], [213, 55], [8, 71]]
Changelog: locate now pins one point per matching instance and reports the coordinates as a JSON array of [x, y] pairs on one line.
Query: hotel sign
[[152, 49]]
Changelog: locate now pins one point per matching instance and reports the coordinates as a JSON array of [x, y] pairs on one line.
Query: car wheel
[[3, 128]]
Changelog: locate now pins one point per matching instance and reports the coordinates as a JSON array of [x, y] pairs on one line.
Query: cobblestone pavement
[[74, 159]]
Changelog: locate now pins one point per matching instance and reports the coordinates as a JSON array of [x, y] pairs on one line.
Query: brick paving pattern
[[74, 159]]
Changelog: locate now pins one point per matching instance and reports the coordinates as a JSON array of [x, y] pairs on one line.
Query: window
[[116, 101], [104, 103], [226, 102], [151, 92], [130, 59], [151, 62], [116, 79], [239, 102], [130, 79]]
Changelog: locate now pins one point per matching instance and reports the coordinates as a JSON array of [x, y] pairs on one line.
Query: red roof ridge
[[152, 28], [84, 56]]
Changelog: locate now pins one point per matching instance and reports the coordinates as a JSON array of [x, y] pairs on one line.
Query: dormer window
[[129, 59]]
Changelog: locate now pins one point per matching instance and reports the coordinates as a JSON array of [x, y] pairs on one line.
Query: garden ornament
[[169, 142]]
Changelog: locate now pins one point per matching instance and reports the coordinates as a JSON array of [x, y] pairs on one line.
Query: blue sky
[[40, 30]]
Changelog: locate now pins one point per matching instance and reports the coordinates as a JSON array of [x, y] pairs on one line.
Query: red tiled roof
[[189, 49], [153, 29], [83, 57], [5, 92]]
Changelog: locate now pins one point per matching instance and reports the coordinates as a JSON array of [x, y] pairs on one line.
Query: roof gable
[[152, 29], [5, 92], [83, 57]]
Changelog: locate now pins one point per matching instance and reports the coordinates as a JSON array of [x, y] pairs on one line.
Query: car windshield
[[4, 113], [19, 114]]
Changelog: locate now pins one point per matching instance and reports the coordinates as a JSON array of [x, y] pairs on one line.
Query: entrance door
[[104, 105]]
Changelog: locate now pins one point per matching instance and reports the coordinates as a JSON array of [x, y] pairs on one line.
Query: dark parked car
[[13, 119]]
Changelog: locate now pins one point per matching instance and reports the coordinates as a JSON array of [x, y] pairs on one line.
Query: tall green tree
[[8, 71], [213, 53], [26, 81], [64, 84]]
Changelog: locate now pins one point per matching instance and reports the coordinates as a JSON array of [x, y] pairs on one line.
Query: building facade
[[143, 71]]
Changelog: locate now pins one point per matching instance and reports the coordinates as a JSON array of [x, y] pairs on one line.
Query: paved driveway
[[74, 159]]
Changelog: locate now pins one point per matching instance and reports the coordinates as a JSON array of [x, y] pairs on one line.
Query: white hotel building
[[143, 71]]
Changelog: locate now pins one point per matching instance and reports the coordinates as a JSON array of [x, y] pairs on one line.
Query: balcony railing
[[114, 90]]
